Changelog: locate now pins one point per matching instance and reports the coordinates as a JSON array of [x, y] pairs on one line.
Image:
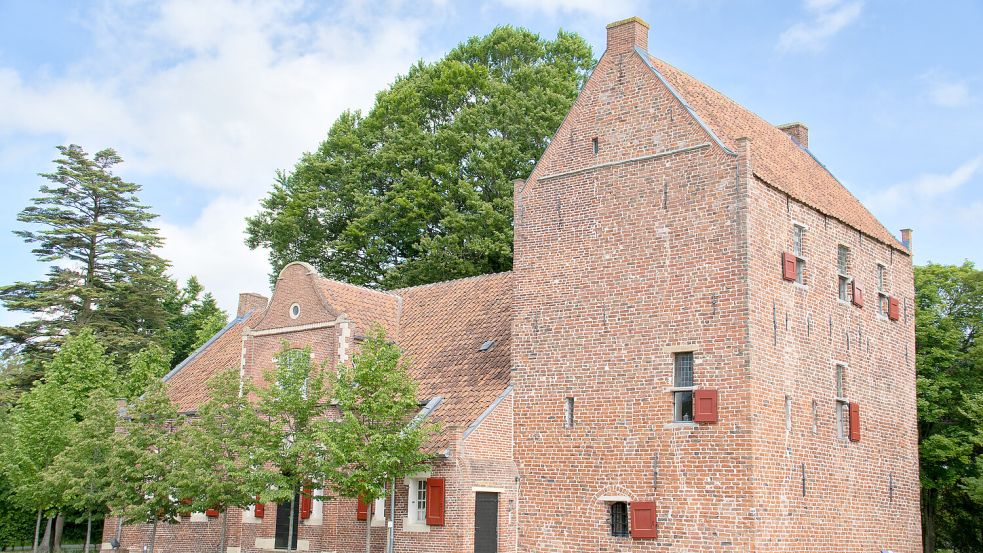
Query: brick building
[[706, 344]]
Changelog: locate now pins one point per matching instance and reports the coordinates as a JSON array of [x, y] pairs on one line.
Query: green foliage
[[37, 430], [80, 367], [220, 468], [949, 320], [294, 396], [81, 472], [145, 366], [420, 188], [376, 439], [16, 524], [89, 224], [146, 457], [193, 318]]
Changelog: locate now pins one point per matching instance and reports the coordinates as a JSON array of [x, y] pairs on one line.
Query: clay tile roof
[[776, 158], [187, 382], [363, 305], [442, 329]]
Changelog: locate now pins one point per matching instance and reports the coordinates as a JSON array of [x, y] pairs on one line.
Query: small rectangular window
[[619, 519], [815, 417], [843, 275], [788, 415], [842, 405], [883, 300], [420, 502], [594, 145], [683, 387], [798, 236], [568, 413]]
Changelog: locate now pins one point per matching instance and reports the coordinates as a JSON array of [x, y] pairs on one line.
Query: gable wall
[[613, 266]]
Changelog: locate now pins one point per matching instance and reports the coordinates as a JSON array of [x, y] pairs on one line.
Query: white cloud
[[946, 92], [827, 17], [217, 95], [608, 10], [926, 189]]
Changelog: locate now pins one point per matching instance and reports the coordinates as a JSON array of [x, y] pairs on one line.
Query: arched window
[[619, 519]]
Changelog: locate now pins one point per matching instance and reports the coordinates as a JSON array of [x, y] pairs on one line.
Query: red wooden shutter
[[788, 266], [362, 510], [643, 520], [854, 422], [705, 406], [858, 295], [211, 513], [435, 501], [259, 510], [306, 503], [892, 309]]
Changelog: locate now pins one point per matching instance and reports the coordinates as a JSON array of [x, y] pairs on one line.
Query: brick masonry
[[654, 223]]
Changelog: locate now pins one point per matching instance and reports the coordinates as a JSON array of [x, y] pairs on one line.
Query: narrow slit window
[[883, 300], [594, 145], [798, 235], [683, 387], [568, 413], [843, 274], [842, 404], [788, 415]]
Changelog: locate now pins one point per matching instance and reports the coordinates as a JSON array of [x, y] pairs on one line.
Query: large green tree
[[220, 470], [90, 226], [293, 398], [193, 317], [949, 323], [375, 440], [419, 189]]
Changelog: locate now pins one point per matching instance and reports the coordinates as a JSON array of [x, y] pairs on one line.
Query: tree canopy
[[419, 189], [949, 320]]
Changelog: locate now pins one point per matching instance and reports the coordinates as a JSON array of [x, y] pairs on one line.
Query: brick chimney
[[625, 35], [798, 131], [906, 238], [249, 301]]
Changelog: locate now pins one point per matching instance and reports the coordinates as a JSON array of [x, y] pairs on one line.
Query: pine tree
[[294, 397], [90, 226], [376, 440], [220, 470], [144, 486]]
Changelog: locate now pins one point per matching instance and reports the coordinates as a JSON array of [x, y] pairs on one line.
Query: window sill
[[843, 302], [418, 527], [800, 285], [681, 425]]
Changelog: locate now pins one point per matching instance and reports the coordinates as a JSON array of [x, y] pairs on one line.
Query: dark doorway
[[485, 522], [282, 516]]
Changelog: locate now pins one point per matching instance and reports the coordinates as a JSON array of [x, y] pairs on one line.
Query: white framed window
[[418, 502], [843, 272], [788, 414], [798, 236], [883, 300], [295, 311], [682, 386], [842, 403], [568, 413], [379, 511]]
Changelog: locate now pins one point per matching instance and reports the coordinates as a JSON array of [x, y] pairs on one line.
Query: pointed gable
[[776, 158]]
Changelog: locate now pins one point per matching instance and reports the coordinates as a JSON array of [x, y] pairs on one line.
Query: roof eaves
[[645, 58], [205, 346]]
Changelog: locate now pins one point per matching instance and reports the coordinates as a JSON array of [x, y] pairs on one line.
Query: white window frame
[[413, 510], [680, 391], [843, 274], [798, 240], [841, 402], [379, 511], [882, 293], [568, 414]]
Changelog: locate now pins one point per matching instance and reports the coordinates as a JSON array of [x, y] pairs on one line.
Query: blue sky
[[206, 100]]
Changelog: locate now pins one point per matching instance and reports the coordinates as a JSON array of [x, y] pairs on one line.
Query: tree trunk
[[37, 532], [59, 530], [290, 522], [46, 539], [929, 506], [88, 532], [368, 527], [153, 536], [225, 525]]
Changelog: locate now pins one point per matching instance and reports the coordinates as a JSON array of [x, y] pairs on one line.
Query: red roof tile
[[775, 158]]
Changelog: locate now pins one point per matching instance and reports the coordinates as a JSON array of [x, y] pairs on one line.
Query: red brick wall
[[614, 267], [797, 332]]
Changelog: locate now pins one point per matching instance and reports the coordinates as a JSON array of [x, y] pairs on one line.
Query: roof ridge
[[357, 286], [453, 281]]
